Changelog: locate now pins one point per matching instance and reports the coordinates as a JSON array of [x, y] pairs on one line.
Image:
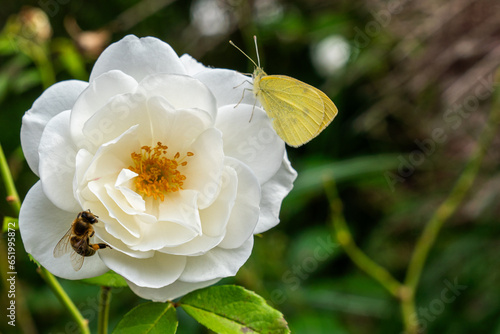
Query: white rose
[[152, 144]]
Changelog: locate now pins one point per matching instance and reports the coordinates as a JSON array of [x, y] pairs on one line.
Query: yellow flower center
[[157, 174]]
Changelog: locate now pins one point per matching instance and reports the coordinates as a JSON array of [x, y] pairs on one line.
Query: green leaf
[[25, 80], [228, 309], [4, 86], [32, 259], [110, 279], [318, 322], [70, 58], [7, 43], [312, 179], [151, 318]]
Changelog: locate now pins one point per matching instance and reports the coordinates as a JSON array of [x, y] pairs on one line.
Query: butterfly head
[[258, 73]]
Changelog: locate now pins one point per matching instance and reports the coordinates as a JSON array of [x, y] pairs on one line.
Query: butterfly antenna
[[231, 42], [256, 49]]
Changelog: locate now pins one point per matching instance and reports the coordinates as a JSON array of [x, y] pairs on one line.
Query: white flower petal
[[191, 65], [181, 207], [182, 92], [154, 272], [198, 246], [113, 156], [92, 99], [153, 106], [57, 163], [55, 99], [137, 114], [176, 128], [214, 220], [245, 212], [169, 292], [217, 263], [129, 201], [215, 217], [113, 212], [204, 169], [113, 226], [233, 168], [42, 225], [138, 57], [163, 234], [83, 160], [273, 193], [229, 87], [253, 142], [103, 236]]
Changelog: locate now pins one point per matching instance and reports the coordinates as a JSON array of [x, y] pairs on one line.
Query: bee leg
[[100, 246], [91, 234]]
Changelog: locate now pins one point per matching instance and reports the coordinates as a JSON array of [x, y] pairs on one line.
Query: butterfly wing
[[299, 112], [330, 110]]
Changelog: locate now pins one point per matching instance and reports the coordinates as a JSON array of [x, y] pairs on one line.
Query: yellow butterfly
[[298, 111]]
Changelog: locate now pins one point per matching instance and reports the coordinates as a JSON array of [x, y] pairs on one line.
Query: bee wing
[[79, 247], [64, 245], [76, 261]]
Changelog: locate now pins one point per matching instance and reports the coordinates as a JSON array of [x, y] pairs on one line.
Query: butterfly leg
[[245, 81], [253, 109], [242, 96]]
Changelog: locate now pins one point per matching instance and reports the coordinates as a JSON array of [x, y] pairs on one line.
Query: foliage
[[412, 98], [232, 309]]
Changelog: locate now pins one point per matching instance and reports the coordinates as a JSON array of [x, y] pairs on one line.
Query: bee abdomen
[[88, 252]]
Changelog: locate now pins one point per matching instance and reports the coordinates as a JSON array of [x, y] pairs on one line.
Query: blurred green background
[[412, 81]]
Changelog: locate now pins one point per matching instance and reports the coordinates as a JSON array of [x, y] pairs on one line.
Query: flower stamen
[[157, 174]]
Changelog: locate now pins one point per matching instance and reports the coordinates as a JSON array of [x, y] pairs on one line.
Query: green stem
[[406, 292], [27, 325], [344, 237], [447, 209], [13, 199], [58, 290], [12, 196], [409, 313], [104, 302]]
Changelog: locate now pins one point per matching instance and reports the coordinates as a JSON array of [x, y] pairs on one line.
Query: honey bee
[[78, 239]]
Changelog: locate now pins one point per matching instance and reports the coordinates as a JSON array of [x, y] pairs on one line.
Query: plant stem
[[12, 196], [13, 199], [104, 302], [409, 314], [447, 209], [344, 237], [27, 325], [82, 323], [406, 292]]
